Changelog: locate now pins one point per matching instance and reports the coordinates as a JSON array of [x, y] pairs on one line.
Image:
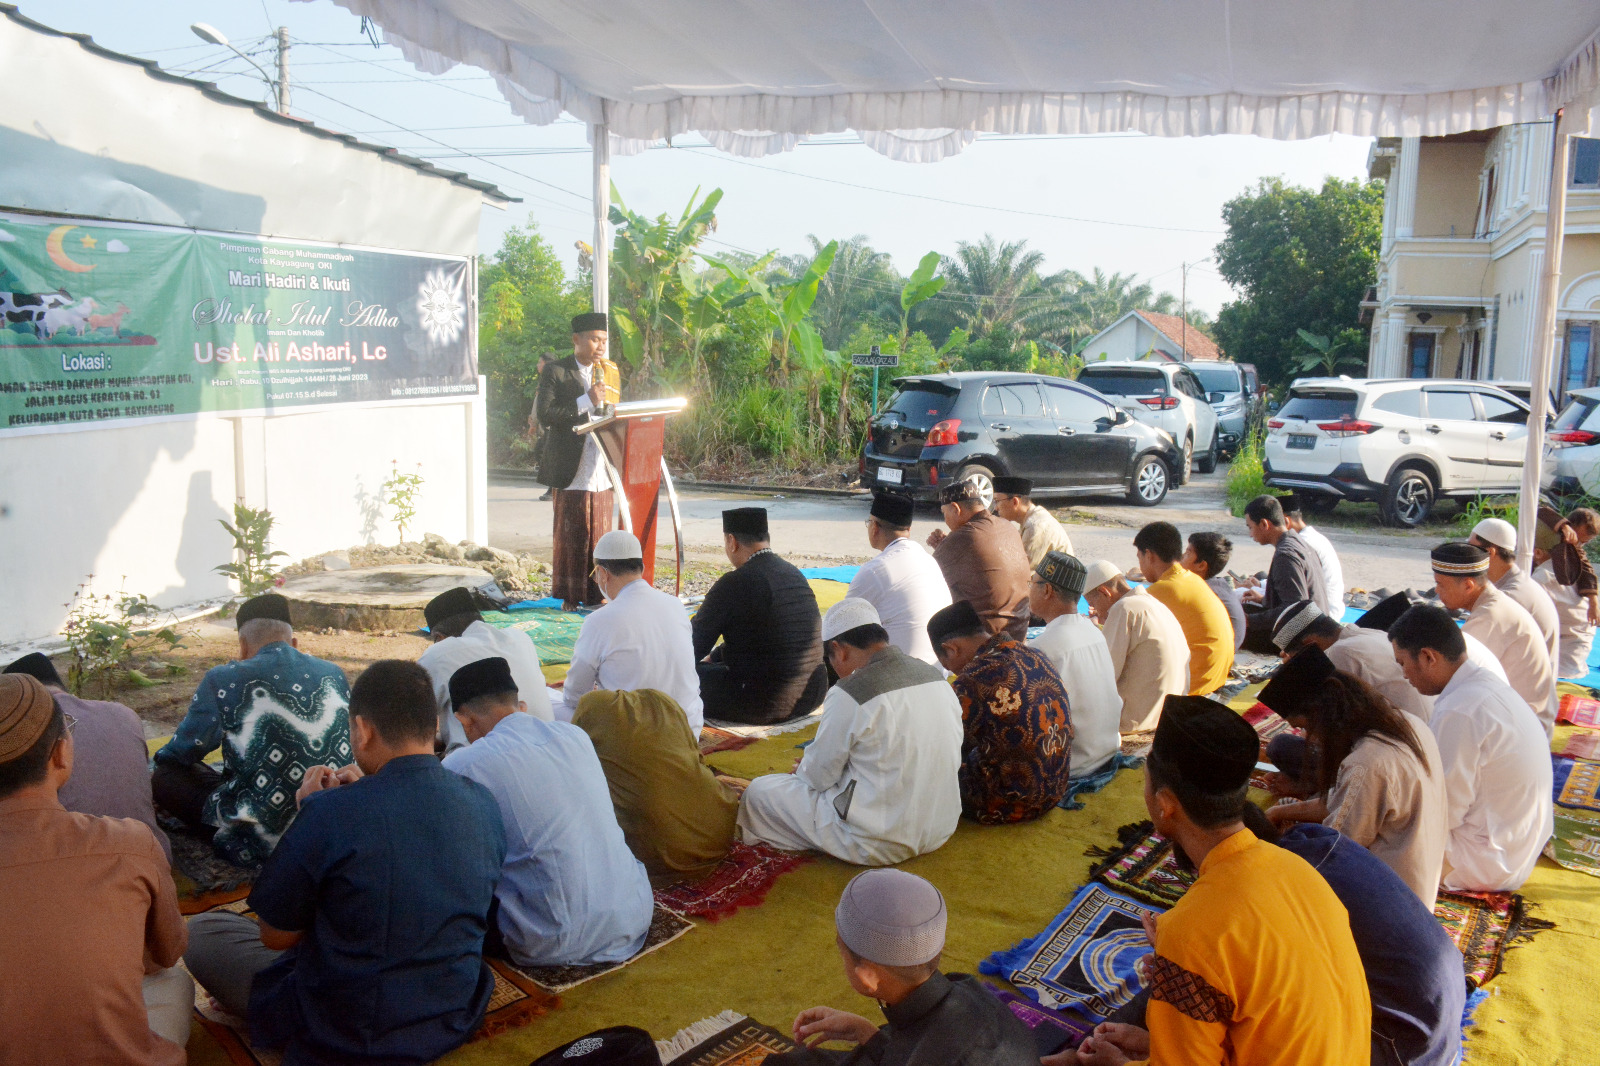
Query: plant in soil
[[252, 569], [400, 492], [108, 634]]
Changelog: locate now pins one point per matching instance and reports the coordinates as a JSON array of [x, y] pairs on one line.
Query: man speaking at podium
[[574, 465]]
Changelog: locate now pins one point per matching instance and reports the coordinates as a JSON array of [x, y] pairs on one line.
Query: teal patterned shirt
[[274, 715]]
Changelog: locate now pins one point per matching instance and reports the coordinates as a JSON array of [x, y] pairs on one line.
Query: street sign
[[875, 359]]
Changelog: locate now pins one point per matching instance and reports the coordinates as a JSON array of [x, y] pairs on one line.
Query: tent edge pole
[[1555, 230], [600, 140]]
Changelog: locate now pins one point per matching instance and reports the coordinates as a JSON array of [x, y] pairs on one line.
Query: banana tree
[[645, 271], [1328, 354], [706, 301], [920, 286]]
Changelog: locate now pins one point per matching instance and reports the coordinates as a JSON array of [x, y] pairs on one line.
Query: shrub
[[1246, 477]]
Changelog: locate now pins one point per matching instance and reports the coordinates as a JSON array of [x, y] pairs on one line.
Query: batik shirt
[[1017, 750], [275, 715]]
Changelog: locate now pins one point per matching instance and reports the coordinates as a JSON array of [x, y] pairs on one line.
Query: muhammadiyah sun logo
[[440, 303]]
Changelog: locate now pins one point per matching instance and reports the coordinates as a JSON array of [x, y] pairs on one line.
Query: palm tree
[[1103, 298], [997, 285], [862, 285]]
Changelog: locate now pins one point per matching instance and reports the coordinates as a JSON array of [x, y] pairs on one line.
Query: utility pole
[[283, 70], [1183, 313]]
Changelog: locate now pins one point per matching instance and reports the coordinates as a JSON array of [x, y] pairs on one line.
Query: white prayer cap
[[892, 918], [1497, 531], [618, 544], [1292, 621], [852, 612], [1100, 571]]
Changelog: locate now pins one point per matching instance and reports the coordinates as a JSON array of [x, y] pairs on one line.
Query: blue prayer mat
[[843, 574], [1085, 959]]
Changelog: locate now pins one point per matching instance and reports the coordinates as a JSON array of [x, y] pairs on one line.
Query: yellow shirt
[[1256, 965], [1205, 626]]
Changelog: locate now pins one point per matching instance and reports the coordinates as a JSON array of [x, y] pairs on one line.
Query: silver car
[[1168, 397]]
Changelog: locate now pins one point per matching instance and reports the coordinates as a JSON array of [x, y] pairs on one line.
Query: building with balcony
[[1463, 251]]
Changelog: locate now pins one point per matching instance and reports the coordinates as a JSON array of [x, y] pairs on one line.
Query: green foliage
[[106, 634], [251, 529], [400, 492], [1300, 259], [1247, 478], [646, 272], [1480, 507], [999, 349], [1328, 356]]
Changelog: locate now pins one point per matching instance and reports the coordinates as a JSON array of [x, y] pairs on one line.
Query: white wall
[[1130, 339]]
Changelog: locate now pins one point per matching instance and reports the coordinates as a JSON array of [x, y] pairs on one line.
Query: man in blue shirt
[[368, 941], [571, 892], [276, 712]]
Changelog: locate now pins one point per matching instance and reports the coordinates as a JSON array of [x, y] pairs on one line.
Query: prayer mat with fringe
[[1576, 783], [515, 1001], [1086, 958], [1582, 746], [1083, 786], [1142, 865], [726, 1039], [1576, 842], [1268, 725], [665, 927], [741, 880], [1485, 925], [1579, 710]]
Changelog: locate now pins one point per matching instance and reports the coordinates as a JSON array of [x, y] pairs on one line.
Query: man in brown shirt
[[91, 911], [983, 560]]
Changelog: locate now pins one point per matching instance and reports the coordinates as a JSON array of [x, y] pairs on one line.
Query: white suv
[[1166, 396], [1403, 442]]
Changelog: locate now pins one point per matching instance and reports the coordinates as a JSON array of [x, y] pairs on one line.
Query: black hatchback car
[[1066, 437]]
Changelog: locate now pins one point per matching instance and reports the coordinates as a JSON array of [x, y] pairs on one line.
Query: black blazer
[[557, 411]]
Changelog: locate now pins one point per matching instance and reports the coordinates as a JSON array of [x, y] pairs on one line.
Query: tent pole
[[600, 138], [1555, 228]]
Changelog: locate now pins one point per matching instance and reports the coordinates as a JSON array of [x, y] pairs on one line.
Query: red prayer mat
[[1579, 710], [713, 740], [742, 880], [1484, 926], [1265, 721], [1583, 746]]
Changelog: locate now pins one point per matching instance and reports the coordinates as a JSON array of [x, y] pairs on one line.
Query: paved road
[[820, 528]]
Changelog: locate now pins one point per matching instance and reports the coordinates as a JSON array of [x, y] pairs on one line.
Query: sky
[[1123, 203]]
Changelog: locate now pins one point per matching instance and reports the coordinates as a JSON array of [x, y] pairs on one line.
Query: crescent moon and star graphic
[[58, 253]]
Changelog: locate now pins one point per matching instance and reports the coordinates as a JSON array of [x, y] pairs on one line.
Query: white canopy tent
[[917, 80]]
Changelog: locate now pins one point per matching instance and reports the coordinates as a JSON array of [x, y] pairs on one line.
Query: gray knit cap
[[892, 918]]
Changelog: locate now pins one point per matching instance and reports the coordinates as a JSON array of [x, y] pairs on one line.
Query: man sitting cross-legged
[[1204, 619], [88, 960], [1256, 963], [1017, 752], [902, 581], [571, 893], [1148, 650], [878, 784], [461, 636], [368, 946], [1359, 651], [890, 931], [1041, 532], [1206, 556], [275, 712], [1075, 646]]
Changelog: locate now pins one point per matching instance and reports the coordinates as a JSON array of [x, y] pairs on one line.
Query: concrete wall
[[1130, 339], [1447, 189]]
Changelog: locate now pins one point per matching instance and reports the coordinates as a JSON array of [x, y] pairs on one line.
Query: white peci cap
[[1099, 572], [892, 918], [1497, 531], [618, 545], [852, 612]]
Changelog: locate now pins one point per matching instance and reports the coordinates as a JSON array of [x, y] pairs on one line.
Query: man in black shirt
[[1295, 574], [769, 666]]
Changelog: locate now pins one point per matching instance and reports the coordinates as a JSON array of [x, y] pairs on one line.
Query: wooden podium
[[631, 436]]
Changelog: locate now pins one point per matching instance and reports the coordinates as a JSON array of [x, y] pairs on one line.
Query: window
[[919, 408], [1188, 383], [1319, 406], [1070, 405], [1500, 409], [1581, 413], [1408, 402], [1580, 354], [1218, 377], [1125, 382], [1018, 401], [1420, 363], [1451, 406], [1585, 162]]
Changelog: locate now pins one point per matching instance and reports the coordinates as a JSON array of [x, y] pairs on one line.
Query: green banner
[[110, 323]]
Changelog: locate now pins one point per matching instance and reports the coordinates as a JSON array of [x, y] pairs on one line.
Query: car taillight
[[942, 433], [1348, 427], [1275, 423], [1160, 403], [1568, 437]]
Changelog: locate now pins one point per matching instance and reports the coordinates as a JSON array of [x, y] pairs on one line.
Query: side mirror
[[1121, 418], [1216, 397]]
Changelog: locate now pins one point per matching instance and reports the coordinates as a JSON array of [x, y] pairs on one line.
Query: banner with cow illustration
[[106, 323]]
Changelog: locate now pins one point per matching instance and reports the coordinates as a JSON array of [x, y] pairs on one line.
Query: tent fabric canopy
[[918, 78]]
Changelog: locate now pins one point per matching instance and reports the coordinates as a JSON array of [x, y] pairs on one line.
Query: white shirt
[[1497, 782], [1368, 655], [1083, 660], [907, 587], [1572, 614], [886, 755], [1150, 655], [481, 640], [591, 475], [1510, 632], [1528, 594], [641, 639], [1332, 572], [1478, 654]]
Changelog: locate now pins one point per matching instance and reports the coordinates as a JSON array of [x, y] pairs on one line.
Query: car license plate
[[890, 475], [1300, 440]]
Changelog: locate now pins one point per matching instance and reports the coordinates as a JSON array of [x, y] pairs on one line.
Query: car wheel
[[1208, 465], [1150, 480], [981, 476], [1407, 498], [1188, 460]]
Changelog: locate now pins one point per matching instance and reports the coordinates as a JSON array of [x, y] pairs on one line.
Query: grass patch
[[1246, 477]]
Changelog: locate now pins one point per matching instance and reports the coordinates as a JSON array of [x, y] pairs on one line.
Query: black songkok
[[960, 492], [1210, 746], [1065, 572], [746, 522], [270, 605], [590, 320], [892, 509], [448, 604], [1386, 612], [1457, 558], [486, 677], [1298, 682], [1013, 486], [953, 620], [621, 1045]]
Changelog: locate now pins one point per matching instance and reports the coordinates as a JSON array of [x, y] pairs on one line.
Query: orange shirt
[[89, 908], [1205, 626]]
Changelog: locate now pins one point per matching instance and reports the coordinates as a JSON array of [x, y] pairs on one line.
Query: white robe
[[907, 587], [1332, 572], [1497, 780], [1368, 655], [1079, 653], [1150, 655], [481, 640], [1572, 614], [878, 784], [1511, 634]]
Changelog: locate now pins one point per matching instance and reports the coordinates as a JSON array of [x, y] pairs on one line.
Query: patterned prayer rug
[[1582, 746], [1069, 1031], [1484, 925], [665, 927], [1144, 866], [554, 632], [1577, 783], [734, 1040], [1576, 843], [742, 880], [713, 740], [1082, 786], [203, 877], [515, 1001], [1268, 725], [1085, 959], [1579, 710]]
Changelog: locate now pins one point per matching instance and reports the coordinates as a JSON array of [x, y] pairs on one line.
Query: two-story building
[[1457, 293]]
